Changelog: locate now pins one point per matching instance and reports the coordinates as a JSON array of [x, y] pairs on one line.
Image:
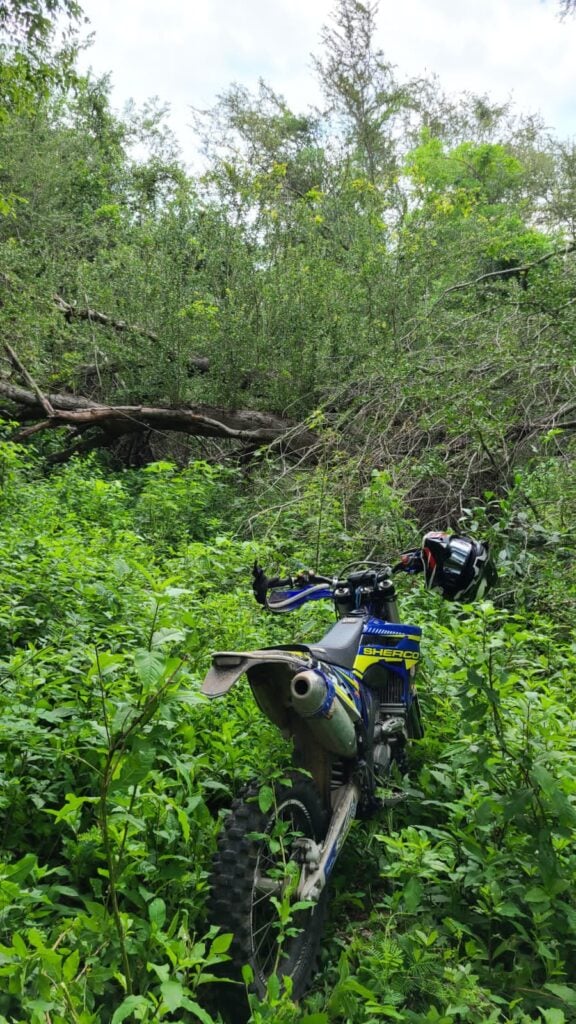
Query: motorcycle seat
[[339, 646]]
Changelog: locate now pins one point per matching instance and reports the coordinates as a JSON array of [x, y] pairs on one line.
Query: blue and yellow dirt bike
[[350, 705]]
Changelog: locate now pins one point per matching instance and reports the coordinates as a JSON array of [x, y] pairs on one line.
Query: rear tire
[[254, 865]]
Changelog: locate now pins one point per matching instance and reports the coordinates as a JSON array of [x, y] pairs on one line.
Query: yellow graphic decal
[[389, 654], [350, 679], [345, 698]]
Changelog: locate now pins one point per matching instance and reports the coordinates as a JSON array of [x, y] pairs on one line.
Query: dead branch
[[19, 396], [45, 402], [82, 447], [74, 313], [521, 269], [246, 425], [196, 364], [29, 431], [509, 271]]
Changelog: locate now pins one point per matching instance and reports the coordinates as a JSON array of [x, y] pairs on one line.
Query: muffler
[[314, 699]]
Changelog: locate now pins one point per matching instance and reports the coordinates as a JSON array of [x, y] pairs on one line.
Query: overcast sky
[[188, 51]]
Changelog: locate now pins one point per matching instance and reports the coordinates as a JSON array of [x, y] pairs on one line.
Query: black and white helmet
[[458, 568]]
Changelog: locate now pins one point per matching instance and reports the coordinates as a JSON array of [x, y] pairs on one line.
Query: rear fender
[[269, 673]]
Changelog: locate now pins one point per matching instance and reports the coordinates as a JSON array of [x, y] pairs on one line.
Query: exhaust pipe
[[314, 699]]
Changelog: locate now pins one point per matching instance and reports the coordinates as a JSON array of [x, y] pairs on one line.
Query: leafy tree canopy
[[31, 22]]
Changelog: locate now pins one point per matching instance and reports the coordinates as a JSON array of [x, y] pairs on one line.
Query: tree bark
[[246, 425]]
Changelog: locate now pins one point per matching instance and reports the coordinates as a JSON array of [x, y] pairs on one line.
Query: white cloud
[[508, 48], [188, 52]]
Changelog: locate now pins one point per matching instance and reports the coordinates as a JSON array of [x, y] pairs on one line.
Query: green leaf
[[190, 1004], [70, 968], [35, 938], [354, 986], [536, 895], [121, 568], [70, 810], [412, 895], [157, 912], [545, 780], [273, 987], [508, 909], [173, 994], [553, 1016], [162, 971], [22, 868], [105, 664], [19, 945], [221, 944], [265, 798], [184, 823], [247, 975], [136, 767], [149, 666], [167, 635], [567, 995], [128, 1006]]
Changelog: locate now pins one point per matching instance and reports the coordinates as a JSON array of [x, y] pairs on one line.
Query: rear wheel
[[254, 877]]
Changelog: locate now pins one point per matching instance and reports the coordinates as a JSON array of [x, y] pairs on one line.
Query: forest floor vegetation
[[457, 905]]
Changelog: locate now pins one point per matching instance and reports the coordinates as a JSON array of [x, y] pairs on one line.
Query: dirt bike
[[350, 705]]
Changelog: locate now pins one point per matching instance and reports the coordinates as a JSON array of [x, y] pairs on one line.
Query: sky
[[187, 52]]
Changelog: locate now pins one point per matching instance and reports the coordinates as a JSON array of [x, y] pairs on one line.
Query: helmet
[[459, 568]]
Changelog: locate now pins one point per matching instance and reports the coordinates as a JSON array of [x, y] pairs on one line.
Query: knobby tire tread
[[232, 884]]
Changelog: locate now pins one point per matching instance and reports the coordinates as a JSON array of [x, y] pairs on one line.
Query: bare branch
[[44, 402], [196, 364], [73, 313], [509, 271]]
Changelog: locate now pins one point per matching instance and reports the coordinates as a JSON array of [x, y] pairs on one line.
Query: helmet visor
[[458, 555]]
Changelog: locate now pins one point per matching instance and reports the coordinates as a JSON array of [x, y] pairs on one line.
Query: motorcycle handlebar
[[411, 562]]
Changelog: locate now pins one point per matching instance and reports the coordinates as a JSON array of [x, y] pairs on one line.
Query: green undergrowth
[[456, 906], [469, 914]]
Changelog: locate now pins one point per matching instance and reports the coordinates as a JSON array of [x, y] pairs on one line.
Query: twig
[[487, 451], [25, 432], [509, 271]]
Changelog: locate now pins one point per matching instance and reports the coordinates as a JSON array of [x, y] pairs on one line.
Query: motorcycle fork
[[341, 794], [318, 859]]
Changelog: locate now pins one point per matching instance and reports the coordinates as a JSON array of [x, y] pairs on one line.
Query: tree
[[31, 22], [31, 64], [361, 88], [35, 55]]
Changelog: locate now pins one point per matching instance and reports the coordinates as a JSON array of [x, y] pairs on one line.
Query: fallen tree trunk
[[28, 401], [112, 421]]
